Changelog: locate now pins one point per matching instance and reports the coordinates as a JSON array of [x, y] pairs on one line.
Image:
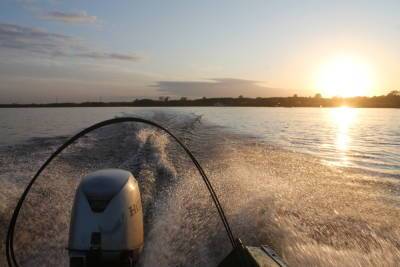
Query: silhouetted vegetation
[[391, 100]]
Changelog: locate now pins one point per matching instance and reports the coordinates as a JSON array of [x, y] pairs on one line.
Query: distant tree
[[183, 98], [295, 95], [163, 98], [394, 93], [204, 98], [318, 96], [240, 96]]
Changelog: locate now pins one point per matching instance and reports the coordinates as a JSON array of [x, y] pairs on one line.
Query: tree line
[[391, 100]]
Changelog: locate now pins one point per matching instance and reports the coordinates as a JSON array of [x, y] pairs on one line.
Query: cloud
[[37, 41], [32, 39], [69, 17], [102, 55], [221, 87]]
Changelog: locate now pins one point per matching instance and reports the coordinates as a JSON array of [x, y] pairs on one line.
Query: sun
[[344, 76]]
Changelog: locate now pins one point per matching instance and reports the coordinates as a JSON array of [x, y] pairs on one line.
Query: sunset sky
[[54, 50]]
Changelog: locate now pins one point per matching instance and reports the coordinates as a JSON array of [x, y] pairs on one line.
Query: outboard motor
[[106, 221]]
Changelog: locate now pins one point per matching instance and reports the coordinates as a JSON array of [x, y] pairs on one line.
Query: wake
[[312, 214]]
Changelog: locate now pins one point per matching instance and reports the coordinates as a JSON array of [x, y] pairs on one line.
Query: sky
[[62, 51]]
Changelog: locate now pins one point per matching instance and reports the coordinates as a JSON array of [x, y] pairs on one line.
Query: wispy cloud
[[69, 17], [102, 55], [221, 87], [33, 39], [38, 41]]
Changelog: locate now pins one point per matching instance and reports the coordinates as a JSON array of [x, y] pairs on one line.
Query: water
[[319, 185], [362, 138]]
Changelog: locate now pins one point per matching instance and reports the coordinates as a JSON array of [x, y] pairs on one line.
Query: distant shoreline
[[391, 100]]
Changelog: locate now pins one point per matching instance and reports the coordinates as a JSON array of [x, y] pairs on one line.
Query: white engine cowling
[[106, 220]]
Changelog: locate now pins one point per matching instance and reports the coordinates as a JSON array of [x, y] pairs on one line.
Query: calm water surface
[[362, 138]]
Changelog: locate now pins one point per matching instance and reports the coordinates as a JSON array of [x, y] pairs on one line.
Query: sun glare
[[344, 77], [343, 119]]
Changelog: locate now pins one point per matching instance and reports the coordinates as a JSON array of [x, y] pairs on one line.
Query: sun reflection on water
[[343, 118]]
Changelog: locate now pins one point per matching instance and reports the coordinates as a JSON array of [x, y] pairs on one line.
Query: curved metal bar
[[11, 259]]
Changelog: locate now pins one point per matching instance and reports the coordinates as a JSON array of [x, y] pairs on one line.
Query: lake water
[[361, 138], [321, 186]]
